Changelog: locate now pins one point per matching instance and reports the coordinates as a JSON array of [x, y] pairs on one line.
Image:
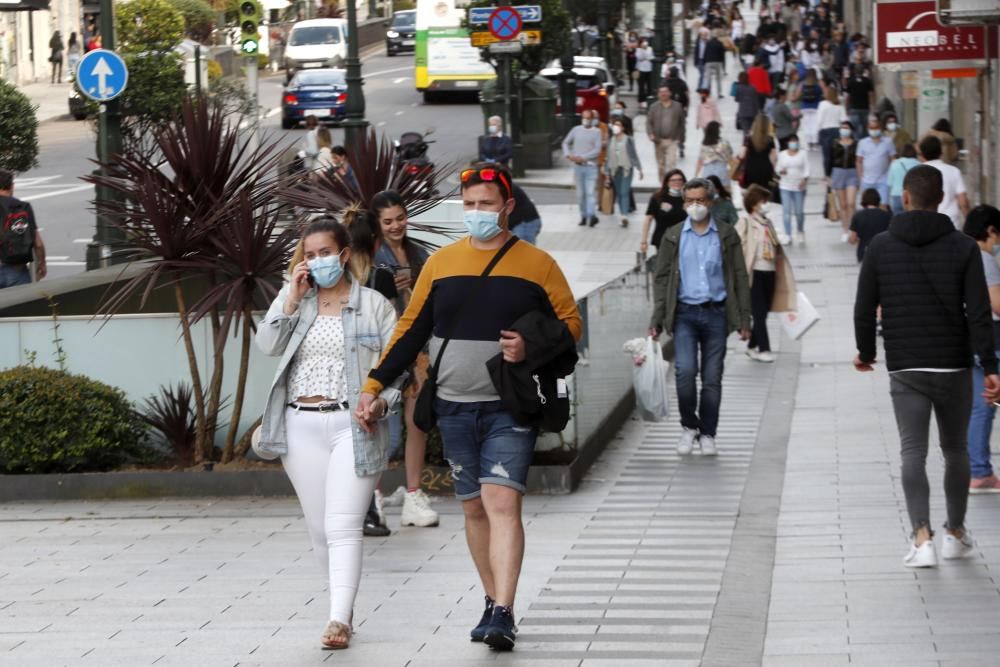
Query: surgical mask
[[616, 129], [493, 129], [892, 127], [482, 225], [617, 112], [996, 251], [326, 271], [875, 133], [698, 212], [762, 210], [674, 192], [586, 122], [844, 132], [793, 145]]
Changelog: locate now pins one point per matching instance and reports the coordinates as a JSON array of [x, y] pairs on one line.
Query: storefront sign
[[909, 33], [910, 82]]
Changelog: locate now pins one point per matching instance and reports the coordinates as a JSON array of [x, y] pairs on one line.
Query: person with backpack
[[20, 242]]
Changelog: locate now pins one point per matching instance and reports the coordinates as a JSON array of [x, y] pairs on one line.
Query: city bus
[[445, 60]]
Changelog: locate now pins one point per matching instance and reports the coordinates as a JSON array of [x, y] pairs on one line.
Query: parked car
[[314, 44], [401, 35], [595, 84], [318, 92]]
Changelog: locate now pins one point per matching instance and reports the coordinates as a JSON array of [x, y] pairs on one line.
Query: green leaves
[[148, 25], [19, 129], [52, 421]]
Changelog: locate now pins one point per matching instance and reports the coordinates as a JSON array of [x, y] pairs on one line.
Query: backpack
[[17, 236], [811, 93]]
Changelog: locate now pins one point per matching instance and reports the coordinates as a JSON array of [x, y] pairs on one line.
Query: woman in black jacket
[[666, 207]]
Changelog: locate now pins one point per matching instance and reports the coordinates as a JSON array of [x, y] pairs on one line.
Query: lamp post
[[107, 237], [355, 125], [567, 84], [602, 28], [663, 41]]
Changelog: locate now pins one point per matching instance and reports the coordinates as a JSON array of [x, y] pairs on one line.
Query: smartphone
[[310, 279]]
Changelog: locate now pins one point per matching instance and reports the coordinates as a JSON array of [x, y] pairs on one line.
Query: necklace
[[326, 302]]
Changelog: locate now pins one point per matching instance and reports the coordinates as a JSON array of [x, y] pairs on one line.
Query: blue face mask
[[482, 225], [996, 251], [875, 133], [326, 271], [793, 145]]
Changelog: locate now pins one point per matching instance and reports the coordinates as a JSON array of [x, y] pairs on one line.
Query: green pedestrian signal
[[250, 17]]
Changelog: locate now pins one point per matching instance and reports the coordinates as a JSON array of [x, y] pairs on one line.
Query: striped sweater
[[526, 279]]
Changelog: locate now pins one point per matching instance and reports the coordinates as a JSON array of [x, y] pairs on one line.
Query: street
[[62, 202]]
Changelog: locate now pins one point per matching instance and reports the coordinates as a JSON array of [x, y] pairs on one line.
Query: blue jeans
[[528, 230], [12, 275], [896, 204], [704, 327], [623, 190], [793, 202], [980, 427], [484, 445], [826, 138], [586, 189], [859, 119]]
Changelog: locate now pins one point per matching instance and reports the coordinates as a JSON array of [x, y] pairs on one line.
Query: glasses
[[487, 175]]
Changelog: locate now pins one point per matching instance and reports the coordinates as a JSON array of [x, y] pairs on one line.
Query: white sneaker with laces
[[752, 353], [956, 547], [922, 556], [395, 499], [380, 507], [686, 444], [766, 357], [417, 510], [708, 447], [844, 237], [784, 240]]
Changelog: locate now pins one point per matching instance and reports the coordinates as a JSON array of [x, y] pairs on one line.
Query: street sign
[[101, 75], [909, 33], [483, 38], [528, 14], [506, 47], [504, 23]]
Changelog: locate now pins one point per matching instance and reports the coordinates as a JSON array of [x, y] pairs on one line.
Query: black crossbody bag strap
[[472, 297]]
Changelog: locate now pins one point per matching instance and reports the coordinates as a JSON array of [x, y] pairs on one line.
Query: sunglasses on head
[[487, 175]]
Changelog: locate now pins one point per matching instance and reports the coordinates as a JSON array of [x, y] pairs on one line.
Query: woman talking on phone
[[329, 331], [397, 253]]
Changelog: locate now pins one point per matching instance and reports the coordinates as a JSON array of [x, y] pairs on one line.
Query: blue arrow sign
[[101, 75], [528, 14]]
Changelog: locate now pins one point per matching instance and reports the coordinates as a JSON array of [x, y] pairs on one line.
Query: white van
[[315, 43]]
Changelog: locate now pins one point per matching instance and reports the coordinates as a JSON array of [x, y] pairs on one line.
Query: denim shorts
[[844, 178], [484, 445]]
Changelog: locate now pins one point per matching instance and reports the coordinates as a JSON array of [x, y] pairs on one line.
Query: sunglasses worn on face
[[487, 175]]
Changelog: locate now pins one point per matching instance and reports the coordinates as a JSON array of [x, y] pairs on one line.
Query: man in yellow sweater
[[488, 450]]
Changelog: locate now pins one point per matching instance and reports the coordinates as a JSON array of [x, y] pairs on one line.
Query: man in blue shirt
[[701, 295], [874, 154]]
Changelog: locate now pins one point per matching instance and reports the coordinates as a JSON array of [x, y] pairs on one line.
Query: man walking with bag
[[20, 242], [702, 294], [468, 299], [929, 280]]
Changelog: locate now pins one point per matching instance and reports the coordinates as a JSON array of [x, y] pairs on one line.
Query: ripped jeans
[[484, 445]]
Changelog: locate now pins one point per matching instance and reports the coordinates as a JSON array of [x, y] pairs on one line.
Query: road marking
[[35, 181], [401, 79], [381, 123], [65, 263], [56, 258], [65, 191], [399, 113], [82, 240], [273, 112], [369, 75]]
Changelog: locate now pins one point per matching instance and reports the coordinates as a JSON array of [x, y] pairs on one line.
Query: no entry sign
[[504, 23], [909, 33]]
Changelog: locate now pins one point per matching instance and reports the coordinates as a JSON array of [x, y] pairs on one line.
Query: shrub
[[19, 129], [145, 26], [53, 421], [199, 18]]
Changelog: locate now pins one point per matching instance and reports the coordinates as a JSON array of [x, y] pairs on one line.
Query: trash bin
[[538, 113]]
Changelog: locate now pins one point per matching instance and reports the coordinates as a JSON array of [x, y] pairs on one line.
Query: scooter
[[412, 160]]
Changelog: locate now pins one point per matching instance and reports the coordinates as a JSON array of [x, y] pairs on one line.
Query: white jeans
[[320, 464]]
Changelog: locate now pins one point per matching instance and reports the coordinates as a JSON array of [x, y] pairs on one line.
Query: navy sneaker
[[477, 633], [500, 634]]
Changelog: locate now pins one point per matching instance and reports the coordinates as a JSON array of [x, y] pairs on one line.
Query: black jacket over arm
[[928, 277]]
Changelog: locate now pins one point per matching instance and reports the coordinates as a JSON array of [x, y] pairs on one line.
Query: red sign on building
[[909, 33]]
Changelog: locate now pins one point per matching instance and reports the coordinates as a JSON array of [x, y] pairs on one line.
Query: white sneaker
[[784, 239], [800, 238], [417, 510], [766, 357], [380, 507], [752, 353], [956, 547], [686, 444], [707, 443], [922, 556], [395, 499], [844, 237]]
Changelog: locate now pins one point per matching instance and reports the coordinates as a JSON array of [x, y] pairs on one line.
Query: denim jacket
[[368, 320]]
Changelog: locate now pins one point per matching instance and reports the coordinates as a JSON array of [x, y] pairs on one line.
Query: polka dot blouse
[[318, 367]]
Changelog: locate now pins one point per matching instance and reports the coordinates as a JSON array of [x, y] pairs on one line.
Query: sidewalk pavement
[[52, 99]]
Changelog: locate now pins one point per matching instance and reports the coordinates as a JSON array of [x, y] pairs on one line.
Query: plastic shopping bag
[[650, 381], [797, 322]]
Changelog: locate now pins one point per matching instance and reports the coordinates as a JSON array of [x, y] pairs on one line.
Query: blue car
[[314, 92]]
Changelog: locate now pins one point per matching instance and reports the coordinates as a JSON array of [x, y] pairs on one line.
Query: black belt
[[320, 407], [706, 304]]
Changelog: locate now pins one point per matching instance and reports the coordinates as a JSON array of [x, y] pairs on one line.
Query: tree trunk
[[243, 446], [199, 398], [215, 385], [241, 385]]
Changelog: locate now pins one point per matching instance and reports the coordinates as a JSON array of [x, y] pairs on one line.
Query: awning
[[23, 5]]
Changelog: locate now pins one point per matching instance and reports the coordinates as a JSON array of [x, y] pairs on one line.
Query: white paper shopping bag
[[797, 322]]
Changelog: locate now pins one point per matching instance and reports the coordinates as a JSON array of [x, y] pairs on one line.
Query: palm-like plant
[[197, 213]]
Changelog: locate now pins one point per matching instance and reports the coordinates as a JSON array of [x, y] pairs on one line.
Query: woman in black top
[[758, 155], [666, 207], [844, 177]]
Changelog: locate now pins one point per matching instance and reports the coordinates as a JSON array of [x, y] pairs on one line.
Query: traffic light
[[250, 17]]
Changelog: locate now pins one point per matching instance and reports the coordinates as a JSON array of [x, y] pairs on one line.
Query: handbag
[[832, 209], [607, 204], [797, 322], [423, 409]]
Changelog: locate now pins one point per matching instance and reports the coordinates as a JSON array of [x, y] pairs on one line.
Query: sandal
[[336, 636]]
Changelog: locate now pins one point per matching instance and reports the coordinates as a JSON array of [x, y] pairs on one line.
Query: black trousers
[[761, 297]]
